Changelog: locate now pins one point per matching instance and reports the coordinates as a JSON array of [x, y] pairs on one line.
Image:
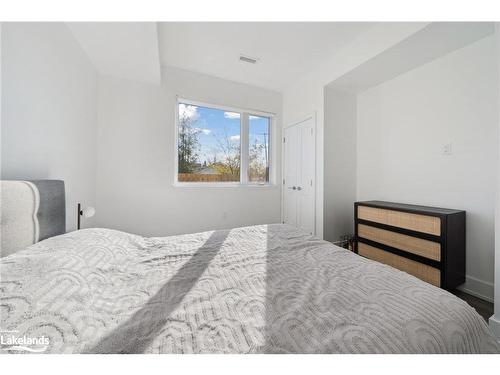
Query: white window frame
[[244, 146]]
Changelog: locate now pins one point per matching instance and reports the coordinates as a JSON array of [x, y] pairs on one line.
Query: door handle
[[299, 188], [293, 187]]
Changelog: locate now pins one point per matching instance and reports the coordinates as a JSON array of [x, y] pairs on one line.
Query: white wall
[[306, 95], [136, 158], [495, 319], [49, 110], [1, 89], [403, 125], [340, 163]]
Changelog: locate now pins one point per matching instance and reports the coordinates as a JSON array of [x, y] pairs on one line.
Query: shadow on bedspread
[[136, 333], [293, 293]]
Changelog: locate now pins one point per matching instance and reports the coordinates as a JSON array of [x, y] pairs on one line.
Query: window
[[258, 155], [217, 145]]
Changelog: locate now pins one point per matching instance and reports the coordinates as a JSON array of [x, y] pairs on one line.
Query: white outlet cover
[[447, 149]]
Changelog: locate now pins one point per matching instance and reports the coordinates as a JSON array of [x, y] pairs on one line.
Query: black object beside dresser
[[426, 242]]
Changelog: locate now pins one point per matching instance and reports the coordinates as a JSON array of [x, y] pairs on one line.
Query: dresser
[[426, 242]]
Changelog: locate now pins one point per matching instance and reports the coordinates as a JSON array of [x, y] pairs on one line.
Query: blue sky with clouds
[[215, 124]]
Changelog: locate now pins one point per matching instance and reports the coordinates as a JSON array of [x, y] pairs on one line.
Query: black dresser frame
[[452, 238]]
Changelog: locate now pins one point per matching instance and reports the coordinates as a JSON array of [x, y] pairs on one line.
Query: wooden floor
[[484, 308]]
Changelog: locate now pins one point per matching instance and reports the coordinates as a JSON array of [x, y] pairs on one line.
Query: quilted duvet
[[259, 289]]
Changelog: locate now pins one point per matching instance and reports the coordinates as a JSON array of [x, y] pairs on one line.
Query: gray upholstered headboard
[[30, 211]]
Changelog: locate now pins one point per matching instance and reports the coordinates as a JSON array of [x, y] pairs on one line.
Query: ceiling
[[122, 49], [432, 42], [284, 50]]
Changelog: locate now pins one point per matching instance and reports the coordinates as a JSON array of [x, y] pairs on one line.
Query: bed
[[257, 289]]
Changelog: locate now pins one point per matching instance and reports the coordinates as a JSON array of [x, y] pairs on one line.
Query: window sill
[[223, 185]]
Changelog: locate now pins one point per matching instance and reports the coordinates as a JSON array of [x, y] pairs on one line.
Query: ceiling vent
[[248, 59]]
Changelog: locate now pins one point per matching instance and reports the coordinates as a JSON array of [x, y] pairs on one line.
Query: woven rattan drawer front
[[422, 271], [414, 245], [415, 222]]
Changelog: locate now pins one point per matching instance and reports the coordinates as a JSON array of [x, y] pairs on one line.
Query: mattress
[[258, 289]]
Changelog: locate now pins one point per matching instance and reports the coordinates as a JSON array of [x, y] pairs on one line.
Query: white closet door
[[305, 183], [299, 175], [291, 175]]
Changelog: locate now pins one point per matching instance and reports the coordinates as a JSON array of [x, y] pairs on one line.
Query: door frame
[[311, 117]]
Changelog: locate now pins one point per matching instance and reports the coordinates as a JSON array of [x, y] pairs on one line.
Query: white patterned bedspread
[[259, 289]]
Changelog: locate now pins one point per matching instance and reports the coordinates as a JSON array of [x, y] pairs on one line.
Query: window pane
[[258, 141], [208, 145]]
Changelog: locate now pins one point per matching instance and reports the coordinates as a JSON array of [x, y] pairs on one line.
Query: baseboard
[[478, 288], [495, 326]]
